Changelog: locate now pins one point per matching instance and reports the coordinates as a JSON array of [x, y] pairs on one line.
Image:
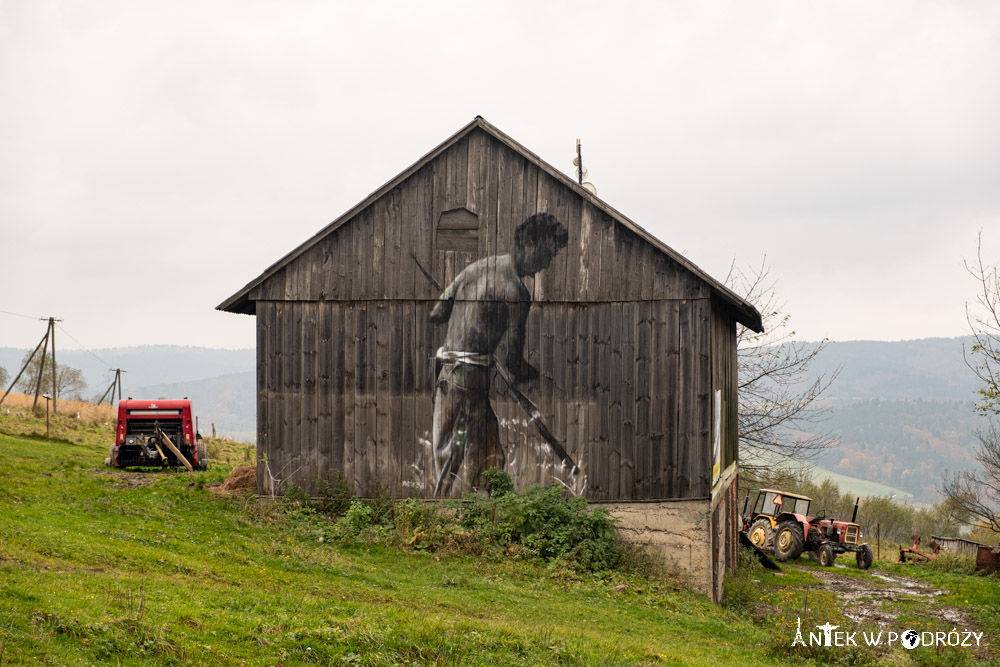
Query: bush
[[545, 522], [956, 564], [332, 498], [424, 527], [498, 483], [360, 520], [541, 521]]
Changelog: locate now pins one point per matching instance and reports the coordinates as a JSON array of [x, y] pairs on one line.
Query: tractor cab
[[771, 503]]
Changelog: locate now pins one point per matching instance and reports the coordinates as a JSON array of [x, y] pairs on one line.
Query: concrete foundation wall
[[678, 531], [698, 536]]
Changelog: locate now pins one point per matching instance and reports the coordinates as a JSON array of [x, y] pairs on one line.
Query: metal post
[[46, 397], [579, 163], [55, 387]]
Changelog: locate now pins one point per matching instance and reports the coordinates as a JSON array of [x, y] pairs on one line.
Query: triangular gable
[[744, 312]]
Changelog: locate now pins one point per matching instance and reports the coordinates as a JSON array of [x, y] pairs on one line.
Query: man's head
[[536, 242]]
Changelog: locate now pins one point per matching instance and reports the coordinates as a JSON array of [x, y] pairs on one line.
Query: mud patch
[[128, 480], [872, 599]]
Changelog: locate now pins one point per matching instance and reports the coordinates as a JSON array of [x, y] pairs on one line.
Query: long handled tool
[[534, 415]]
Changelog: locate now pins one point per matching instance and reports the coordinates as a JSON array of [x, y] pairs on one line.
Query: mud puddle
[[873, 599]]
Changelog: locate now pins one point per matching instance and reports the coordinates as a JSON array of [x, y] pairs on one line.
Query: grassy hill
[[101, 566], [153, 567], [857, 487]]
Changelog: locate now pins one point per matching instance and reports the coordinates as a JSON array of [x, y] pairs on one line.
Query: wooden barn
[[482, 309]]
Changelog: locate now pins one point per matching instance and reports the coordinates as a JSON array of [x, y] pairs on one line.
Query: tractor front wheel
[[865, 557], [761, 533], [826, 555], [789, 540]]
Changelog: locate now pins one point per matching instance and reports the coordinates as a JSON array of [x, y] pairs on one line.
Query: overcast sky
[[157, 156]]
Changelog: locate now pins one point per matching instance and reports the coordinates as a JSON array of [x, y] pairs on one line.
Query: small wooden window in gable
[[458, 230]]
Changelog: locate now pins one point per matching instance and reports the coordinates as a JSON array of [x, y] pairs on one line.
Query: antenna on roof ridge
[[581, 173]]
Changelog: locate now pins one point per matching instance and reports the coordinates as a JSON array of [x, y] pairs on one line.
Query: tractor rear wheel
[[865, 557], [789, 539], [761, 533], [826, 555]]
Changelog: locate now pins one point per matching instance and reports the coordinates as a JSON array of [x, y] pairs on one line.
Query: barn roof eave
[[744, 312]]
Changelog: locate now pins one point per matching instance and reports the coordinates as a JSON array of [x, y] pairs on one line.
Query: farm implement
[[157, 434]]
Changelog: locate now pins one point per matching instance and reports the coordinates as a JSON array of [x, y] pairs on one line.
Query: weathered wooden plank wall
[[630, 345], [360, 403], [368, 258], [725, 378]]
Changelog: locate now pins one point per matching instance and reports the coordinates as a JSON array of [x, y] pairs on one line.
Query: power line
[[27, 317], [82, 346], [110, 367]]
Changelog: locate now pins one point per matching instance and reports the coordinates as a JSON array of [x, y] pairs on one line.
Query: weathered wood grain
[[630, 345], [386, 472], [350, 397]]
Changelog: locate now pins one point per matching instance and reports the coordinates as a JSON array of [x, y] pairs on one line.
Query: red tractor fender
[[801, 519]]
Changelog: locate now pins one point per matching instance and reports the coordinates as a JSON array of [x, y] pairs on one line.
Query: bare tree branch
[[978, 493], [778, 397]]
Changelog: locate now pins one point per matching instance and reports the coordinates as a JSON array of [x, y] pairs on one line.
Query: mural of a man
[[486, 300]]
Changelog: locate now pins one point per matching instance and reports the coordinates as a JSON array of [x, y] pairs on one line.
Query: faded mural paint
[[486, 303]]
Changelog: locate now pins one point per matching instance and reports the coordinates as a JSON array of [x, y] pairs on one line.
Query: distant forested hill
[[227, 401], [929, 369], [905, 444], [145, 365]]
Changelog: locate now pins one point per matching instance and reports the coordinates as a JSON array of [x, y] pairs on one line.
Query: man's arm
[[442, 309], [516, 326]]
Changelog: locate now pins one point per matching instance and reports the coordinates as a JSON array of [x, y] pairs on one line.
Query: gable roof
[[745, 313]]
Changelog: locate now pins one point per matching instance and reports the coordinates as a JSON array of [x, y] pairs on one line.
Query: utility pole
[[50, 338], [109, 393], [43, 345]]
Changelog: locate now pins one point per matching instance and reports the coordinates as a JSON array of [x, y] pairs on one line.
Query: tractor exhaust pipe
[[746, 501], [854, 517]]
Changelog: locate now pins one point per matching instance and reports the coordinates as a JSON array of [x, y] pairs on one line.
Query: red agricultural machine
[[157, 433], [781, 521]]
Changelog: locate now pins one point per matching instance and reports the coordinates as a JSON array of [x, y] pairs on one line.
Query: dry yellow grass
[[76, 421], [81, 410]]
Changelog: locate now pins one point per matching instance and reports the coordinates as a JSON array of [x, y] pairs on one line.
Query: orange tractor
[[781, 522]]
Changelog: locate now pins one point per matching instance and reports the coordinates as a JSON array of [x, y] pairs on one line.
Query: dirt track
[[871, 599]]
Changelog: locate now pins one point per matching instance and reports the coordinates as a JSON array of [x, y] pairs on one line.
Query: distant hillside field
[[902, 444], [857, 487]]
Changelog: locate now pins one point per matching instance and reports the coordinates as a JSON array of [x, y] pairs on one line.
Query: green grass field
[[96, 569], [857, 487], [100, 567]]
